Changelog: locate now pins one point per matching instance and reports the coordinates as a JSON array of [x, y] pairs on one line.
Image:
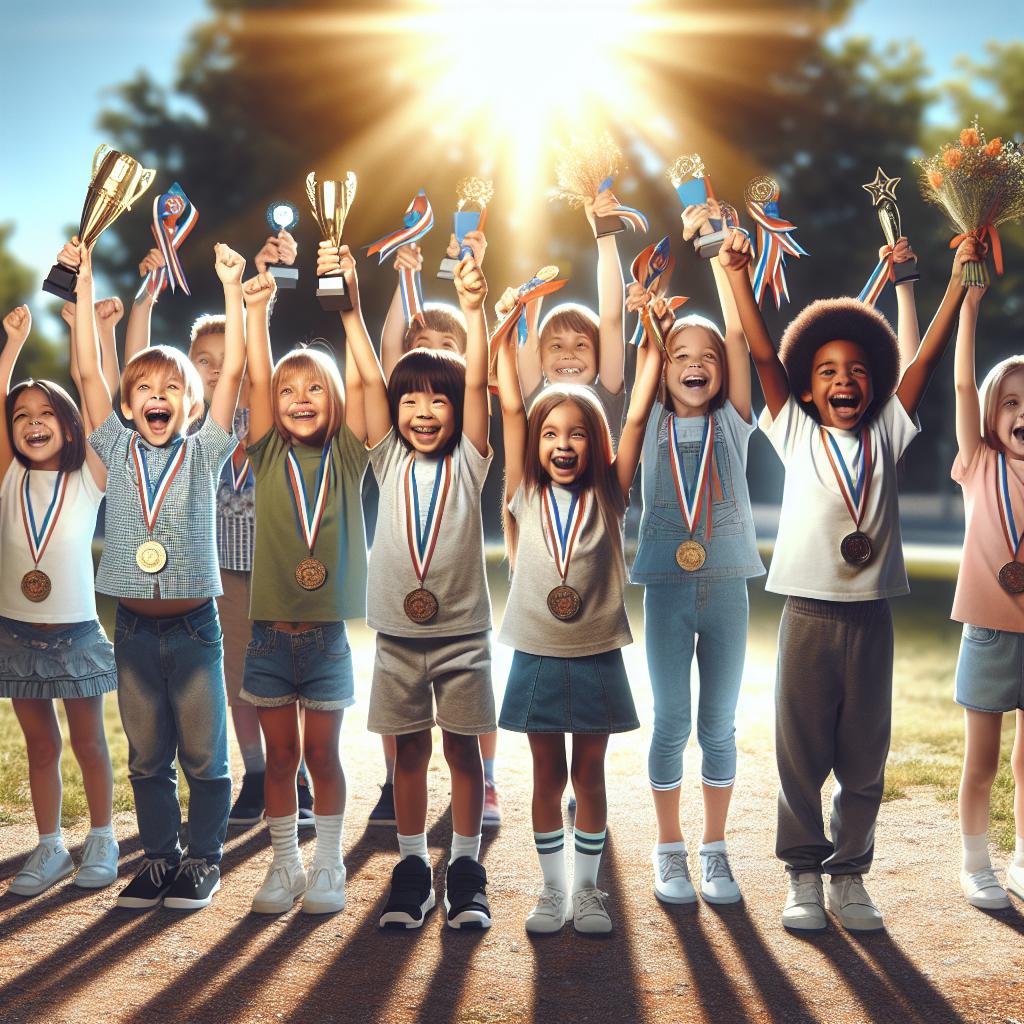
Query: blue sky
[[55, 76]]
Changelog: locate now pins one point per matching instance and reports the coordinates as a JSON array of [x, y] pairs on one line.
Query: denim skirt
[[76, 660], [990, 669], [575, 695]]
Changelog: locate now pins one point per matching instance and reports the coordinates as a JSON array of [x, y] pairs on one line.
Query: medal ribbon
[[629, 216], [309, 518], [855, 495], [773, 245], [1009, 524], [422, 541], [38, 539], [563, 539], [690, 494], [174, 217], [151, 496], [418, 220], [241, 468], [649, 266]]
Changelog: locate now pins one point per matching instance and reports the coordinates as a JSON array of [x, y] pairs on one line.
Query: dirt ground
[[67, 956]]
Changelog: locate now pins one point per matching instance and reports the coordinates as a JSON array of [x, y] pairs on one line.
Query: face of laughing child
[[694, 375], [567, 357], [157, 405], [302, 407], [841, 387], [564, 444], [426, 419], [207, 356], [427, 337], [1009, 414], [35, 430]]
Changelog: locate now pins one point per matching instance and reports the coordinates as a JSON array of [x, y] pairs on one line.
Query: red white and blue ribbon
[[649, 266], [422, 536], [241, 468], [629, 216], [774, 243], [1006, 516], [563, 535], [418, 220], [691, 493], [174, 217], [854, 492], [39, 537], [516, 318], [309, 515], [151, 495], [880, 277]]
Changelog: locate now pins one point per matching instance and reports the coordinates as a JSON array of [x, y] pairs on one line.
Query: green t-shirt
[[280, 546]]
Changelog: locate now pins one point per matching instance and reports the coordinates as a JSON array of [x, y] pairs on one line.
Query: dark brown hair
[[430, 369], [69, 420]]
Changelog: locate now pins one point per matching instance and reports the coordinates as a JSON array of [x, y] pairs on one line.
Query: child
[[160, 561], [839, 416], [51, 644], [989, 468], [565, 499], [309, 575], [697, 548]]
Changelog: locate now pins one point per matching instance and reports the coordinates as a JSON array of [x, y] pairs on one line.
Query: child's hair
[[843, 319], [163, 356], [440, 317], [599, 474], [989, 393], [426, 369], [717, 342], [69, 421], [571, 316], [312, 364], [208, 323]]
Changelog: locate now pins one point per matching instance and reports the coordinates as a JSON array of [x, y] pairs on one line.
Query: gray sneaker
[[549, 914], [589, 914], [805, 904], [850, 902]]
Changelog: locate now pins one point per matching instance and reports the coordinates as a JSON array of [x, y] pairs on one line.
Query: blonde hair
[[320, 367], [717, 342], [989, 396], [571, 316], [440, 317], [208, 323], [158, 357]]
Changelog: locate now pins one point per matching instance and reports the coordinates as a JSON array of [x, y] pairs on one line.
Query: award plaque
[[479, 192], [117, 181], [693, 186], [883, 194], [282, 216], [330, 202]]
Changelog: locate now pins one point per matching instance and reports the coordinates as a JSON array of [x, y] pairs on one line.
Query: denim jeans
[[710, 615], [171, 697]]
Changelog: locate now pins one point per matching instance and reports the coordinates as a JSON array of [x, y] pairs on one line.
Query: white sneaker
[[46, 865], [1015, 879], [983, 890], [325, 893], [588, 912], [850, 902], [672, 877], [284, 884], [716, 882], [550, 913], [99, 863], [805, 904]]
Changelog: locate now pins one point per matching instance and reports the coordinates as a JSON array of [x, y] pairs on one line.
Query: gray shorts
[[990, 670], [412, 674]]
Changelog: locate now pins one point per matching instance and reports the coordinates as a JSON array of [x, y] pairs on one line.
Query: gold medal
[[35, 585], [564, 603], [690, 555], [310, 574], [420, 605], [548, 273], [151, 556]]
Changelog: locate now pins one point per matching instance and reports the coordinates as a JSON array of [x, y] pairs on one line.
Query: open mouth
[[565, 461], [158, 416], [843, 400], [569, 371], [427, 433], [303, 414], [37, 439], [695, 380], [1018, 434]]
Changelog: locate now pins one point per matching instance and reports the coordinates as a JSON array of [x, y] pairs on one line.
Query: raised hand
[[506, 302], [901, 251], [108, 312], [153, 260], [477, 244], [470, 284], [328, 261], [229, 265], [17, 324], [259, 290], [736, 251], [410, 257], [694, 218], [968, 251], [279, 248]]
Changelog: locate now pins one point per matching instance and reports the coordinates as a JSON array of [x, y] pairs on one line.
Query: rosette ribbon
[[418, 220], [629, 216], [774, 243], [648, 268], [987, 237], [174, 217]]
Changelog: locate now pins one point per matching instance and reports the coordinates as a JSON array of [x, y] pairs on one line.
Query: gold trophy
[[117, 181], [330, 202], [883, 194]]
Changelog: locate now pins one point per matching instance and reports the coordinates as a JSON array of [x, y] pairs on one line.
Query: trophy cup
[[330, 202], [282, 216], [480, 192], [883, 194], [117, 181], [693, 186]]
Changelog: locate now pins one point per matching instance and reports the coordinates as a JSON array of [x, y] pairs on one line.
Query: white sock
[[328, 840], [975, 852], [589, 846], [284, 839], [105, 831], [414, 846], [718, 846], [1018, 853], [551, 854], [54, 840], [465, 846], [679, 846]]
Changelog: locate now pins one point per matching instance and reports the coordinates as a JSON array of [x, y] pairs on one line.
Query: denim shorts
[[990, 670], [574, 695], [313, 667]]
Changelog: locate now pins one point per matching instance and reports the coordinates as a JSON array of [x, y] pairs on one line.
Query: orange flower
[[935, 180], [969, 137], [995, 147], [952, 158]]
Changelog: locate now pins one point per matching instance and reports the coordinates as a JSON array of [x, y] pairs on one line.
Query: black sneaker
[[193, 886], [384, 812], [411, 895], [248, 808], [149, 886], [465, 896], [305, 798]]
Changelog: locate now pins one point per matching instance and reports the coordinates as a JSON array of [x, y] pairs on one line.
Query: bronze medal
[[310, 574], [151, 556], [690, 555], [856, 548], [1011, 577], [35, 585], [564, 603], [420, 605]]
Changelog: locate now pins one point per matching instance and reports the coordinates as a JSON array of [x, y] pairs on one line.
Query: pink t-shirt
[[979, 599]]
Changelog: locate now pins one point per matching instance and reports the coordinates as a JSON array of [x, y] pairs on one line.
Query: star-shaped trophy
[[883, 195]]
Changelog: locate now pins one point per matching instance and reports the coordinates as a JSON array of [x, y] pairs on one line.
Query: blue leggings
[[711, 615]]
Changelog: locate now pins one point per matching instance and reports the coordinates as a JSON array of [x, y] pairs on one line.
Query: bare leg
[[89, 743], [981, 762], [321, 738], [281, 733], [463, 756], [411, 760], [550, 774], [38, 722]]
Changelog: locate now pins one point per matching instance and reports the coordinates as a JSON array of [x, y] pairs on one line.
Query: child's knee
[[413, 750], [588, 775], [45, 751], [462, 752], [91, 751]]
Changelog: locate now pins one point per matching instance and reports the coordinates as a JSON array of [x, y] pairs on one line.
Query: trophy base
[[286, 277], [708, 247], [332, 294], [61, 282], [608, 226], [446, 272], [904, 273]]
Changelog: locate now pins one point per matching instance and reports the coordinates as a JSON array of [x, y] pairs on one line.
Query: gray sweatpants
[[833, 713]]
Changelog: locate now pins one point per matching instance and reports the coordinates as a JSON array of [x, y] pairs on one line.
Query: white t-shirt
[[67, 559], [807, 561]]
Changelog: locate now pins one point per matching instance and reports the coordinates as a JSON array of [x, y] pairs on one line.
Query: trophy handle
[[97, 158], [145, 180]]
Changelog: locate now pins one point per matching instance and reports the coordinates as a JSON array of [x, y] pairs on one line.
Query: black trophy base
[[61, 282], [286, 277], [446, 272], [709, 246], [904, 273], [333, 295], [608, 226]]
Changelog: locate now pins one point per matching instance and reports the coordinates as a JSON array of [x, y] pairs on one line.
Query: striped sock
[[551, 854], [589, 846]]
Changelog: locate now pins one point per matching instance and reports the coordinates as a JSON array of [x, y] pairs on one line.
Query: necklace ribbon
[[563, 538], [309, 517], [1009, 524], [151, 495], [854, 494], [423, 538], [691, 493], [241, 468], [39, 538]]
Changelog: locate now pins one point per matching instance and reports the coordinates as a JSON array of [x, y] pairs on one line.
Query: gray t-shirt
[[614, 405], [456, 575], [596, 572]]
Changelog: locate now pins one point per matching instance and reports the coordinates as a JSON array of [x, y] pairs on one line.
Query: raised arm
[[908, 332], [610, 292], [968, 407], [229, 266], [641, 400], [392, 337], [137, 334], [736, 352], [279, 248], [734, 258], [108, 314], [96, 394], [528, 355], [513, 417], [17, 325], [259, 367], [472, 291]]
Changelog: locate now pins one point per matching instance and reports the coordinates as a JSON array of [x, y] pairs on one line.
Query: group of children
[[234, 523]]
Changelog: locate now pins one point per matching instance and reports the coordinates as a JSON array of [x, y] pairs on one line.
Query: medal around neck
[[151, 556], [564, 602], [693, 493], [420, 605], [35, 584], [477, 192], [855, 547], [282, 216], [311, 574], [330, 202], [1011, 574]]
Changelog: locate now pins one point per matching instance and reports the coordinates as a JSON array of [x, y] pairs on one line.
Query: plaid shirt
[[236, 511], [186, 525]]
